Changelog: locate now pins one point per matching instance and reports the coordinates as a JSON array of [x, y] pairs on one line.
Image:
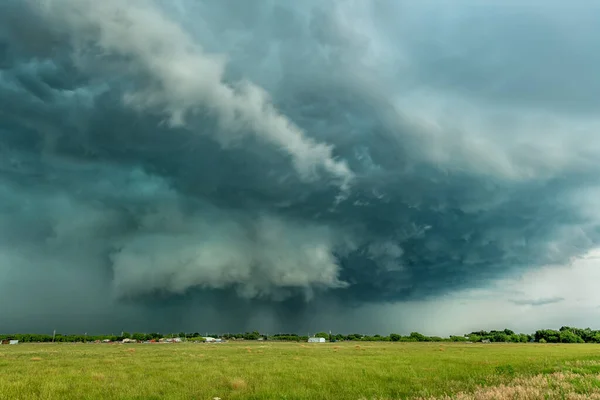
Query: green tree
[[568, 336], [394, 337], [418, 337], [140, 337], [474, 338], [252, 335], [499, 337], [549, 335]]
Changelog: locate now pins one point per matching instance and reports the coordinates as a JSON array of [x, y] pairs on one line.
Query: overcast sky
[[346, 165]]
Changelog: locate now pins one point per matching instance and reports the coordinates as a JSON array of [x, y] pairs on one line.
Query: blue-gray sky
[[229, 165]]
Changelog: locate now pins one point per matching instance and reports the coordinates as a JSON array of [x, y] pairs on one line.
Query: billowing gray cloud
[[160, 155]]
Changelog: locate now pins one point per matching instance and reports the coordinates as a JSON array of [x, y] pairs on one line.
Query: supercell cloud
[[158, 157]]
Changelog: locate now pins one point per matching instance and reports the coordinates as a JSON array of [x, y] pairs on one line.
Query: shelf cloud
[[268, 155]]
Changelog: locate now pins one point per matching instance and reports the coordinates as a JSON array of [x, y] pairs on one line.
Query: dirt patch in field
[[98, 376], [238, 384]]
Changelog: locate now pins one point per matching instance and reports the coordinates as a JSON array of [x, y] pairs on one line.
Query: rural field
[[267, 370]]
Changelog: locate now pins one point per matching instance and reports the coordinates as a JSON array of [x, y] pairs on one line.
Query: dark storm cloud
[[208, 155]]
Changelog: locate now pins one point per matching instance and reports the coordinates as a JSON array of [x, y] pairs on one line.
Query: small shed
[[13, 342], [316, 340]]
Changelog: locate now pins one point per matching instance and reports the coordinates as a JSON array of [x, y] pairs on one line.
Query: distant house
[[316, 340], [485, 341], [13, 342]]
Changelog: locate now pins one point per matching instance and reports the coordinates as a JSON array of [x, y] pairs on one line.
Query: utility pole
[[53, 335]]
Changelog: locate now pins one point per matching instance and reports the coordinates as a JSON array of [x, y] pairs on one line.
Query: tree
[[252, 335], [418, 337], [140, 337], [549, 335], [523, 338], [499, 337], [474, 338], [567, 336], [394, 337]]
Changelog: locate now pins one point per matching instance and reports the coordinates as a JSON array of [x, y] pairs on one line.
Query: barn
[[316, 340]]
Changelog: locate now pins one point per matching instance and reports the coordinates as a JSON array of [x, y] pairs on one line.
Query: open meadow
[[268, 370]]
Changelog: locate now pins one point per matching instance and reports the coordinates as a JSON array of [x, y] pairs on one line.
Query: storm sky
[[295, 166]]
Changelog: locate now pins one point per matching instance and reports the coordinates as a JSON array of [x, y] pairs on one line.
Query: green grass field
[[266, 370]]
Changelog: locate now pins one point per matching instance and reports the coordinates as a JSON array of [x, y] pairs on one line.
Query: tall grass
[[280, 370]]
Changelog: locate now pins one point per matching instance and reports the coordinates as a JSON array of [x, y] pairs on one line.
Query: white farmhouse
[[316, 340]]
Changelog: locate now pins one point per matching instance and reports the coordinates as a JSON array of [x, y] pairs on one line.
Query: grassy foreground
[[266, 370]]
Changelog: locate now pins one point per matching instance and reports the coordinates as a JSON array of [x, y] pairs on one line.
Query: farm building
[[316, 340], [9, 342]]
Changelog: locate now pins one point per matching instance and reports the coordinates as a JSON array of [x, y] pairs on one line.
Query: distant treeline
[[565, 334]]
